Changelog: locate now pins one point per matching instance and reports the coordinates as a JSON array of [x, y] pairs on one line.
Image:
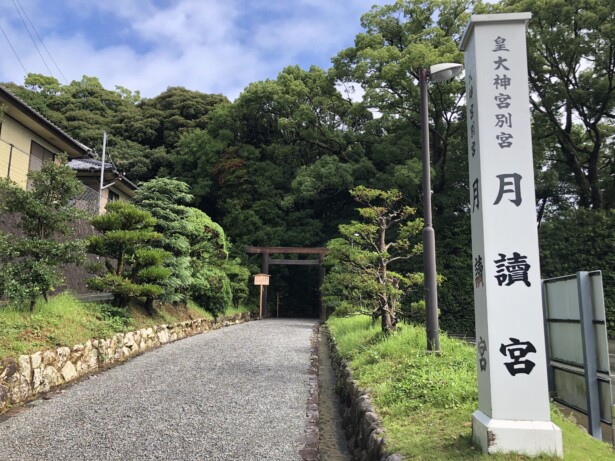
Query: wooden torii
[[268, 260]]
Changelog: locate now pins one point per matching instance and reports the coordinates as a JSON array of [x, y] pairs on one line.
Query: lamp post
[[435, 74]]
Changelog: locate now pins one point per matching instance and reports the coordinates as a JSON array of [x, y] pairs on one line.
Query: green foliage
[[243, 168], [66, 321], [63, 321], [173, 113], [572, 92], [167, 200], [116, 318], [200, 268], [31, 260], [399, 40], [361, 276], [211, 289], [274, 167], [581, 240], [423, 381], [426, 400], [454, 260], [27, 280], [133, 267], [141, 132], [211, 286], [238, 276]]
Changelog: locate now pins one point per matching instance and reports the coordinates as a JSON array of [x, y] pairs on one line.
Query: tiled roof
[[88, 164], [33, 114], [92, 165]]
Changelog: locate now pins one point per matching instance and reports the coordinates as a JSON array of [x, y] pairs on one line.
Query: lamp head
[[445, 71]]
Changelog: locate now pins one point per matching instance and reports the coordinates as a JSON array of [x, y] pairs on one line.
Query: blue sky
[[213, 46]]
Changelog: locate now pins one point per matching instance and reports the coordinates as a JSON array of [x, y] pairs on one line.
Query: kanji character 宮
[[517, 350]]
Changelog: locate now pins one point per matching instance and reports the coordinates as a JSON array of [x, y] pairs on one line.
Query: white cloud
[[189, 24], [212, 46]]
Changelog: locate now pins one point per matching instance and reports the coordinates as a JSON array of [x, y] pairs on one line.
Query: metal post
[[429, 238], [545, 313], [8, 172], [592, 387], [102, 172]]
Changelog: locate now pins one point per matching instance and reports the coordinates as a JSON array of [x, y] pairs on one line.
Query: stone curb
[[363, 428], [31, 375], [308, 444]]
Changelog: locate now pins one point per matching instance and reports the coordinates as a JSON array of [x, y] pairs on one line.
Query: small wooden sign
[[261, 279]]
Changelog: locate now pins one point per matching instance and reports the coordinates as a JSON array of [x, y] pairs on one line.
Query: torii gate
[[267, 261]]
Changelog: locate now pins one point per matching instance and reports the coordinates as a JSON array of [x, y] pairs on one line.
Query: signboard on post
[[578, 346], [261, 280], [513, 408]]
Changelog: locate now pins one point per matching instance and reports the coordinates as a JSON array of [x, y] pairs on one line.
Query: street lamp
[[435, 74]]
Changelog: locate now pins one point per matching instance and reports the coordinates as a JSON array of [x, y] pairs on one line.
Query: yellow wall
[[94, 184], [105, 197], [21, 138]]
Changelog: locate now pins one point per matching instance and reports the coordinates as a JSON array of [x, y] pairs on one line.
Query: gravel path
[[238, 393]]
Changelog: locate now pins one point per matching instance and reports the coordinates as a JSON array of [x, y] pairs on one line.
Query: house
[[115, 185], [27, 139]]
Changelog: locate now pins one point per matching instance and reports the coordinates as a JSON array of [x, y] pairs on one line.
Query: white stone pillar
[[513, 409]]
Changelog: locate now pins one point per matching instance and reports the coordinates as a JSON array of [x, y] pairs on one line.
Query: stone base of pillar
[[530, 438]]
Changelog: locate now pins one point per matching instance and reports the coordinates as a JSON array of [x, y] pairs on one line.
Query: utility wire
[[15, 52], [42, 42], [32, 38]]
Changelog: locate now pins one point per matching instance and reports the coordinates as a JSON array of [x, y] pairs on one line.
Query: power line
[[14, 51], [32, 38], [42, 42]]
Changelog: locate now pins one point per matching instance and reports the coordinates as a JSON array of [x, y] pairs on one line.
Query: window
[[38, 155]]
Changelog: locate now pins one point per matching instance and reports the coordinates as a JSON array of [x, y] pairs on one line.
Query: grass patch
[[237, 310], [66, 321], [63, 321], [426, 401]]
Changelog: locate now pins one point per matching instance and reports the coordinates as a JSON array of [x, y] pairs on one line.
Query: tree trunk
[[149, 306], [388, 323]]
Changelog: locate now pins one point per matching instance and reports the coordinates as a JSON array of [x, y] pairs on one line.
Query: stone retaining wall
[[34, 374], [364, 433], [308, 443]]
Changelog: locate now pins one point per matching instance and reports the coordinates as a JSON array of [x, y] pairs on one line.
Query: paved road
[[238, 393]]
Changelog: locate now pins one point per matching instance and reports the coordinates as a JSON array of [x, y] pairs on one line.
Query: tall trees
[[211, 286], [361, 276], [199, 265], [581, 240], [275, 166], [141, 132], [571, 48], [399, 40], [30, 261], [167, 200], [246, 160], [132, 267], [571, 57], [173, 113]]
